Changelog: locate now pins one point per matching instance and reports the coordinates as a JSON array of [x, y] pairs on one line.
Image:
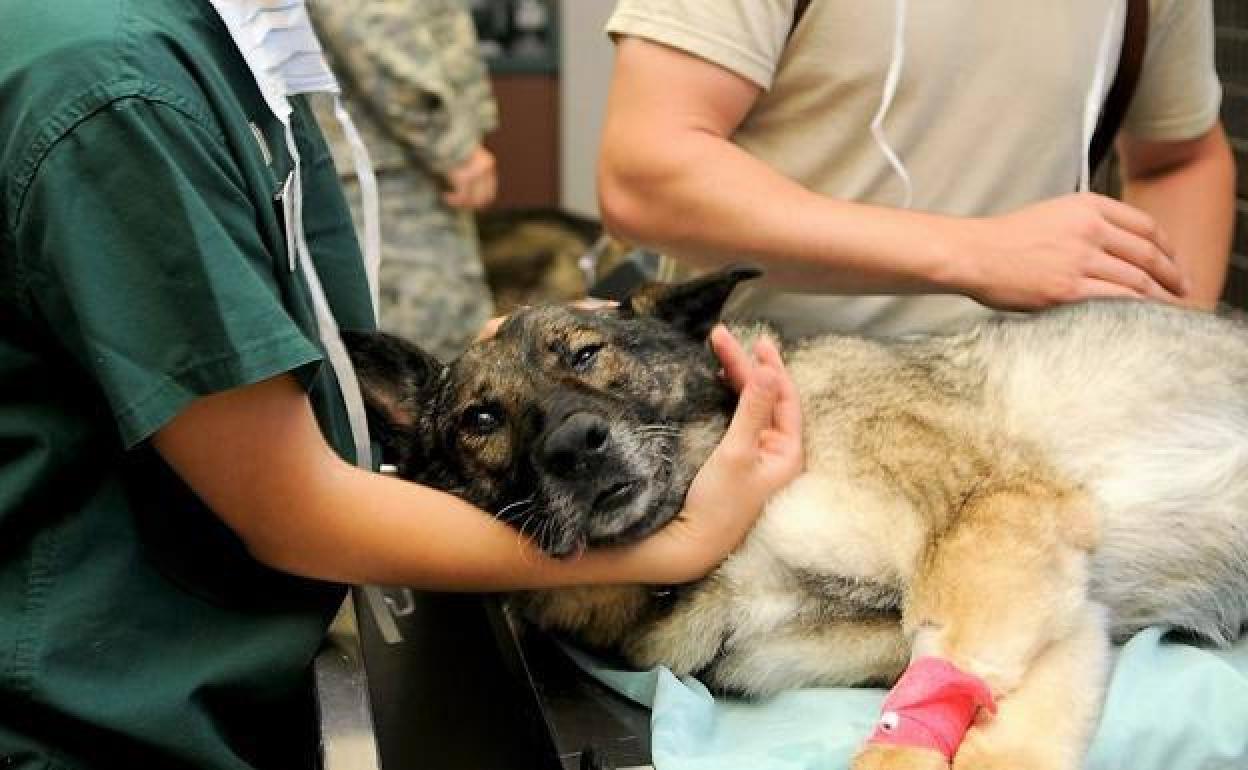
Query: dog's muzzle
[[593, 486]]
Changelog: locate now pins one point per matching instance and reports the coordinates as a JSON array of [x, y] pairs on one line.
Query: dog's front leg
[[999, 604], [1048, 720]]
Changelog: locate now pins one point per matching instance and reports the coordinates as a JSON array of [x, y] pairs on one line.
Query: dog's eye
[[583, 357], [482, 420]]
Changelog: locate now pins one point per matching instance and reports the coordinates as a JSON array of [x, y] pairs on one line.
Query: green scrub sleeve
[[144, 260]]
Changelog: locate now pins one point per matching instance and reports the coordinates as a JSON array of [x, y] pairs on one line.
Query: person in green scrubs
[[179, 511]]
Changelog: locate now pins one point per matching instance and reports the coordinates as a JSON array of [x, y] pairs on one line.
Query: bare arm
[[670, 177], [256, 456], [1189, 189]]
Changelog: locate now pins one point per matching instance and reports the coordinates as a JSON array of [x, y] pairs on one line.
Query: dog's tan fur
[[1008, 499]]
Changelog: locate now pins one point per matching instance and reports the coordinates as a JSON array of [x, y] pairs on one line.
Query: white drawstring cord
[[370, 201], [886, 102]]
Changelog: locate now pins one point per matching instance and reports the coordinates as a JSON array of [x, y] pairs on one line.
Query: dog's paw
[[874, 756]]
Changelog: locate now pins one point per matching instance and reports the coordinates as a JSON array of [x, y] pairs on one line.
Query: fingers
[[1116, 268], [754, 411], [491, 327], [594, 303], [1134, 220], [474, 184], [478, 194], [739, 369], [769, 411], [732, 357], [488, 189], [1133, 236], [457, 196], [471, 194], [465, 194], [787, 414], [1099, 288]]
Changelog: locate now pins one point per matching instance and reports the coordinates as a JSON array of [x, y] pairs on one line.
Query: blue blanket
[[1171, 706]]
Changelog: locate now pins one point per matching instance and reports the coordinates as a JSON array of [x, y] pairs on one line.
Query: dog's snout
[[576, 445]]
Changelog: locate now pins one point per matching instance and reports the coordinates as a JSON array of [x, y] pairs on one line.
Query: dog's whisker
[[530, 521], [507, 510], [514, 515], [546, 537]]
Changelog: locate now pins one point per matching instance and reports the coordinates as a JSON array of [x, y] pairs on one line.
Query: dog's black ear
[[397, 380], [693, 306]]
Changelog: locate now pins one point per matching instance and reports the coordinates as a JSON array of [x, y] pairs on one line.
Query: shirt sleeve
[[1179, 94], [745, 37], [140, 255]]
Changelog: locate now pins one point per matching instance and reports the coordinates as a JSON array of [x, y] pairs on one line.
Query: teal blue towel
[[1171, 706]]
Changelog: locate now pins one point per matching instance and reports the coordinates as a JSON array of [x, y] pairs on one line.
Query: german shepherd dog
[[1010, 498]]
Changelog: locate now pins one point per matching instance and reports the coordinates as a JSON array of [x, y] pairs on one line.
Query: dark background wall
[[1232, 22]]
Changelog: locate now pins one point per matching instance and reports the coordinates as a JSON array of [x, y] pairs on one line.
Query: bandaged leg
[[931, 707], [998, 588]]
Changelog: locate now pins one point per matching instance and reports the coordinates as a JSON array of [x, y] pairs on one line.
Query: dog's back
[[1146, 406], [1143, 405]]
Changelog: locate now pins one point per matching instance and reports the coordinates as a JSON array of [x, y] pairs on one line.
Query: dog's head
[[577, 426]]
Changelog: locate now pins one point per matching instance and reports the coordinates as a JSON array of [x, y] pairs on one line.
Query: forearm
[[671, 177], [362, 527], [703, 198], [300, 508], [1193, 200], [256, 457]]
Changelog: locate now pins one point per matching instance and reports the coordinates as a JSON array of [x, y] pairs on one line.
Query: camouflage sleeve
[[415, 67], [468, 73]]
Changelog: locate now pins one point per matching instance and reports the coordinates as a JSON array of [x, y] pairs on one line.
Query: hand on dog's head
[[561, 397]]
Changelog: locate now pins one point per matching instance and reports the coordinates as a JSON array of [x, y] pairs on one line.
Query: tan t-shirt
[[987, 116]]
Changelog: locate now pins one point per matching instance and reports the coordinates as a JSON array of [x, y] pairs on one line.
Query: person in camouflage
[[416, 86]]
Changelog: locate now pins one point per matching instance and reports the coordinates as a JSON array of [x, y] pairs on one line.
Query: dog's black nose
[[576, 446]]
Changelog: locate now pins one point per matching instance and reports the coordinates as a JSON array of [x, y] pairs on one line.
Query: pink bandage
[[931, 707]]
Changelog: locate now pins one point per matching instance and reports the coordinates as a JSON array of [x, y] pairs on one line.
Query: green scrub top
[[142, 265]]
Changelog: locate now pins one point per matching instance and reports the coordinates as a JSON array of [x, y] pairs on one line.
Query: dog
[[1010, 498]]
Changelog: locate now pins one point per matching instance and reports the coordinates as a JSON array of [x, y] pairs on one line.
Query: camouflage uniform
[[416, 88]]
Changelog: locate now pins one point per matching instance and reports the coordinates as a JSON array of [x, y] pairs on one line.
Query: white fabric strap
[[370, 200], [1107, 55], [327, 330], [352, 398]]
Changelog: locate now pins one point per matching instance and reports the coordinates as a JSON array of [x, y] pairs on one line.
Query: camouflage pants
[[433, 289]]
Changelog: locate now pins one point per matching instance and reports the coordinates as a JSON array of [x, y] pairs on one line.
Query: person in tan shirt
[[757, 145]]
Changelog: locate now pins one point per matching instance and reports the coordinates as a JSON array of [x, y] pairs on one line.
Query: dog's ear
[[397, 380], [693, 306]]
